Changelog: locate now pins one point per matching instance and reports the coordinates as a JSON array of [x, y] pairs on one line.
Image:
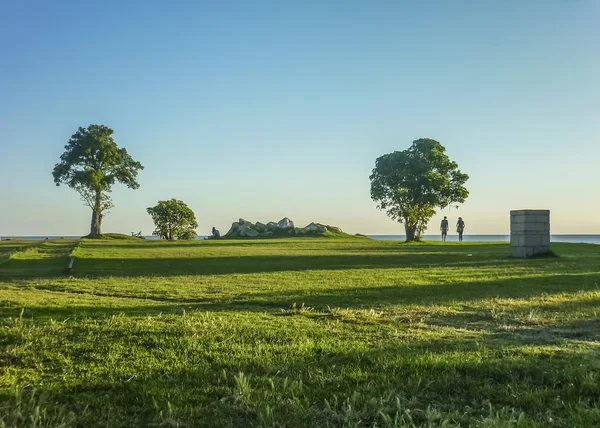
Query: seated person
[[215, 234]]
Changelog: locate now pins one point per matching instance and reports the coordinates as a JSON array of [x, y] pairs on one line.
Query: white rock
[[247, 231], [285, 223]]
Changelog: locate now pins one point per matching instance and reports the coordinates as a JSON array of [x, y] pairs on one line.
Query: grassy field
[[297, 333]]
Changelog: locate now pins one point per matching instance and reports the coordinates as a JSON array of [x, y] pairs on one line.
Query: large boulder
[[316, 227], [246, 230], [233, 231], [312, 227], [245, 222], [284, 223]]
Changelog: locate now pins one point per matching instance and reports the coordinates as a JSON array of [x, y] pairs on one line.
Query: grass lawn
[[297, 333]]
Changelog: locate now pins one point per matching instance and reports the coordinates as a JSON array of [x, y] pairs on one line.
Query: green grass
[[297, 333], [111, 236]]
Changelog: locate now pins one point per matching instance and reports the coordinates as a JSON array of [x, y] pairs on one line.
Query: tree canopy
[[411, 184], [91, 164], [173, 219]]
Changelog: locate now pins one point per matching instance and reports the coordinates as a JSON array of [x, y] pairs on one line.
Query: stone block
[[535, 227], [529, 212], [517, 240], [532, 240], [542, 218], [522, 252], [529, 232]]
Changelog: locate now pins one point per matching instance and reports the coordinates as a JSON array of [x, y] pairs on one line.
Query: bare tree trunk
[[93, 223], [96, 226], [410, 232]]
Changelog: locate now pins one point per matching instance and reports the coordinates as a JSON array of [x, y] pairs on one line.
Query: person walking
[[444, 228], [460, 228]]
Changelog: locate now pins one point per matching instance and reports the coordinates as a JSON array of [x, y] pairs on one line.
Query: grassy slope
[[298, 332]]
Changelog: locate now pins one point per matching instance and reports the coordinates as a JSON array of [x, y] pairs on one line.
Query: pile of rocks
[[284, 227]]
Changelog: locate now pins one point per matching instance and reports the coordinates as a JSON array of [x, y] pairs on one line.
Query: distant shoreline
[[559, 237]]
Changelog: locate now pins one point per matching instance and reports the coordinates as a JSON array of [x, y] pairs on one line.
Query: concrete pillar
[[529, 232]]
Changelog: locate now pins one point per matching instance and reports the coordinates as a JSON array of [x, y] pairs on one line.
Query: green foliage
[[298, 333], [411, 184], [173, 219], [187, 234], [91, 164]]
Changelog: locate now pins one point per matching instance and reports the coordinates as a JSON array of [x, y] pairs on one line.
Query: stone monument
[[529, 232]]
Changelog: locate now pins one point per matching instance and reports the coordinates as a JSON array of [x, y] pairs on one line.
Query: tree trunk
[[410, 232], [96, 226], [93, 223]]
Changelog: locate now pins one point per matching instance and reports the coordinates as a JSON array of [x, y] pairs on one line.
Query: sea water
[[588, 239]]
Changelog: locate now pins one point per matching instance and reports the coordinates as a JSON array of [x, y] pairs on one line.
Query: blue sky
[[272, 109]]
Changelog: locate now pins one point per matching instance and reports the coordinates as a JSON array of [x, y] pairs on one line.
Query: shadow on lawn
[[210, 243], [321, 300], [55, 263], [197, 266], [48, 259], [524, 322]]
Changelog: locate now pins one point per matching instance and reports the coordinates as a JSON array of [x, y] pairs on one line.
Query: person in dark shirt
[[460, 228], [444, 228], [215, 234]]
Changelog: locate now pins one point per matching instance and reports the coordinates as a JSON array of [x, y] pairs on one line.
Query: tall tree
[[411, 184], [91, 164], [173, 219]]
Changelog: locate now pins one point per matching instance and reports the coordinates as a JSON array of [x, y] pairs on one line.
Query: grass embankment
[[112, 236], [299, 332]]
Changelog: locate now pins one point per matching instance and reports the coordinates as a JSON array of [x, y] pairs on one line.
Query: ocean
[[588, 239]]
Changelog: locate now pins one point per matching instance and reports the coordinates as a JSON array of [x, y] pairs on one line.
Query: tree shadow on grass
[[530, 323], [199, 266], [55, 262], [46, 258], [228, 243], [371, 297]]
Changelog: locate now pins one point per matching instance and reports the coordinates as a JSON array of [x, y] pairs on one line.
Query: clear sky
[[263, 110]]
